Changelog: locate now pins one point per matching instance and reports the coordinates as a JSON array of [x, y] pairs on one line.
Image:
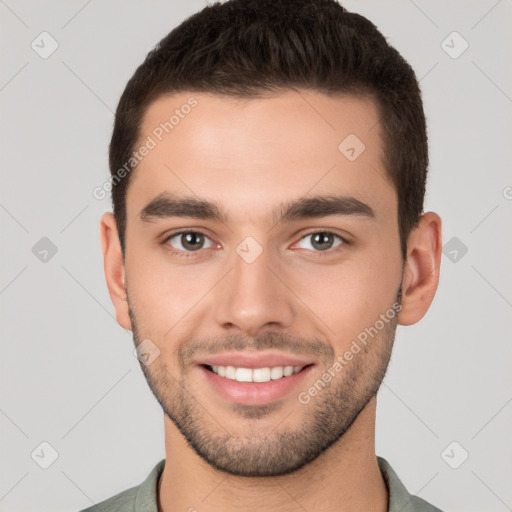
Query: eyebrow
[[168, 205]]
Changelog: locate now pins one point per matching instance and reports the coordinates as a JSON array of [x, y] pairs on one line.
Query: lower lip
[[254, 393]]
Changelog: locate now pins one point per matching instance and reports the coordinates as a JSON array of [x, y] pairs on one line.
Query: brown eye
[[188, 241], [322, 240]]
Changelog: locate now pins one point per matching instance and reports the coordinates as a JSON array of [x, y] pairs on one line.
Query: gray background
[[68, 373]]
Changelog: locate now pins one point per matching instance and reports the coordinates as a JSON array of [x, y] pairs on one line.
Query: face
[[263, 263]]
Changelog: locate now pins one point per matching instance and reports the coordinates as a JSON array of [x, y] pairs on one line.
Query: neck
[[346, 477]]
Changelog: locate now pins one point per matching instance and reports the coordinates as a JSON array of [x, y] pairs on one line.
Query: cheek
[[349, 297], [162, 295]]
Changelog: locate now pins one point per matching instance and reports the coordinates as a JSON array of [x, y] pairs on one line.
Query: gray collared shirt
[[143, 498]]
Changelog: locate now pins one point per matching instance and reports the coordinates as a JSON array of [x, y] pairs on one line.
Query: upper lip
[[254, 360]]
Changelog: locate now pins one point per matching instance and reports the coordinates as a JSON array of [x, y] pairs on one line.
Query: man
[[269, 161]]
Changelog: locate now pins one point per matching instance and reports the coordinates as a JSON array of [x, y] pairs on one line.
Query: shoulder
[[399, 497], [417, 504], [121, 502], [140, 497]]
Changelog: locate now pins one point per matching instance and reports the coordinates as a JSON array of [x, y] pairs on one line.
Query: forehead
[[252, 152]]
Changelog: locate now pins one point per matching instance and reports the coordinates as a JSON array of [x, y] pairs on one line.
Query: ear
[[113, 266], [421, 270]]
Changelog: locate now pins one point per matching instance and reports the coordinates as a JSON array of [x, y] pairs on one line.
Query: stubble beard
[[322, 422]]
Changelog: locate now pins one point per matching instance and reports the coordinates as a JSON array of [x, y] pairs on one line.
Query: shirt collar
[[399, 497]]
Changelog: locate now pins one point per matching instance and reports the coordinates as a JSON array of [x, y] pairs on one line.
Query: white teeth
[[276, 372], [288, 370], [261, 375], [243, 375], [255, 375]]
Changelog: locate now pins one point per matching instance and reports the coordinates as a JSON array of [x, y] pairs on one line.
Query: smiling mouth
[[265, 374]]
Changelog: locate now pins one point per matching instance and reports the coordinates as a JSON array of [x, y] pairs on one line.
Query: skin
[[250, 157]]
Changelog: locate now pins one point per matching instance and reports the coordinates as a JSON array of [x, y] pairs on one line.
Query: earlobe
[[421, 270], [114, 268]]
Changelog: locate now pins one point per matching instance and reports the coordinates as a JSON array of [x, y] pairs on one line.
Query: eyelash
[[189, 254]]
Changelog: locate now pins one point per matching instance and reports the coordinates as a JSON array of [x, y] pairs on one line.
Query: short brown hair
[[244, 48]]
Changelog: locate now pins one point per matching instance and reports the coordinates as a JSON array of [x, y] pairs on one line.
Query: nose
[[253, 297]]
